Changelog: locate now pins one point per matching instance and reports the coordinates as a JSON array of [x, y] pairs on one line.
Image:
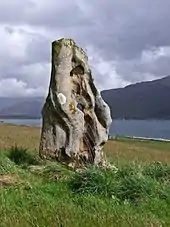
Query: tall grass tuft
[[158, 171], [130, 183], [93, 180], [21, 156]]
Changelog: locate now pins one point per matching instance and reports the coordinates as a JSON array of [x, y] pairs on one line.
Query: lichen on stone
[[62, 99]]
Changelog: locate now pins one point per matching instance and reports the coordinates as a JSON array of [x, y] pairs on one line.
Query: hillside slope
[[143, 100], [22, 108]]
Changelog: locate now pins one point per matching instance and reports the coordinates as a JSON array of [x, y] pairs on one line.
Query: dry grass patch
[[7, 180], [122, 150], [23, 136], [130, 150]]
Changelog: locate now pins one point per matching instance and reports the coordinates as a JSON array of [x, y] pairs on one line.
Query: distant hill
[[21, 107], [145, 100]]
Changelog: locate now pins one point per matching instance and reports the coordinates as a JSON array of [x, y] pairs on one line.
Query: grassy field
[[38, 193]]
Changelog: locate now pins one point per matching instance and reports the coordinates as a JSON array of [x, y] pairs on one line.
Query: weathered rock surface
[[76, 120]]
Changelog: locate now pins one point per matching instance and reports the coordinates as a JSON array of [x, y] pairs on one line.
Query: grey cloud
[[37, 47], [119, 31], [52, 14], [117, 28], [136, 70], [38, 50], [127, 28], [31, 67]]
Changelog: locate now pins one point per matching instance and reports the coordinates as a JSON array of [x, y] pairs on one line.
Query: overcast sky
[[127, 41]]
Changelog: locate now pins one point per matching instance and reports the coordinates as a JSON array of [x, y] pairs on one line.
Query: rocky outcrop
[[76, 120]]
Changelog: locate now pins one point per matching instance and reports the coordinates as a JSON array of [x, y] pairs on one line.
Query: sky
[[126, 41]]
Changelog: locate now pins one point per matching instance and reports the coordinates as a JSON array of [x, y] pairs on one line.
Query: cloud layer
[[127, 41]]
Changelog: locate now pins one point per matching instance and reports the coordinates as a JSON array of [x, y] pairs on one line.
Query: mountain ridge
[[142, 100]]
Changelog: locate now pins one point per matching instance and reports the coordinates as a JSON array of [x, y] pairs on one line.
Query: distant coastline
[[117, 137], [127, 128], [39, 118], [19, 117]]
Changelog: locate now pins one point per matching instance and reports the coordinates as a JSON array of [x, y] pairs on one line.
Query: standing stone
[[75, 119]]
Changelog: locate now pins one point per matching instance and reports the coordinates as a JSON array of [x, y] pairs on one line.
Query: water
[[141, 128], [136, 128], [28, 122]]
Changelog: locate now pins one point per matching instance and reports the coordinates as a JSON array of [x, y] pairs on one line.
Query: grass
[[38, 193], [131, 183], [21, 156], [119, 151]]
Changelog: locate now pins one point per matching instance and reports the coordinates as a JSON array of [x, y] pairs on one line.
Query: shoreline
[[18, 125], [138, 138], [117, 137]]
